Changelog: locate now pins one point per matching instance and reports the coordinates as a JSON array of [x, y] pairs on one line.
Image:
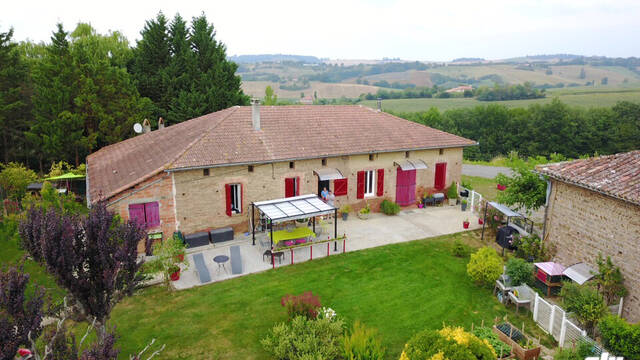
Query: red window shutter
[[340, 187], [380, 191], [360, 189], [297, 185], [152, 213], [227, 189], [136, 213], [441, 176], [288, 187]]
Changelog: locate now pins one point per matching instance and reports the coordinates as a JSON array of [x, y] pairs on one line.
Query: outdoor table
[[220, 260], [438, 197], [297, 233]]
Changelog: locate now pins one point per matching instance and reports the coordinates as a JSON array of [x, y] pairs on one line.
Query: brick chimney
[[160, 123]]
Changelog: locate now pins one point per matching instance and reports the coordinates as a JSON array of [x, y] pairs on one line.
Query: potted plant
[[345, 210], [364, 212], [465, 223], [501, 187], [168, 255], [174, 271], [463, 204], [420, 204], [452, 194], [522, 347], [480, 221]]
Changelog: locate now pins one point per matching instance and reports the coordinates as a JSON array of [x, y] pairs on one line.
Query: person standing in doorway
[[324, 194]]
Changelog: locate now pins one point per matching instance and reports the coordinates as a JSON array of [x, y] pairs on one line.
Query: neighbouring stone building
[[594, 208], [204, 173]]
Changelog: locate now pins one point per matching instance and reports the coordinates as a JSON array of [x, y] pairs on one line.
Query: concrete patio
[[378, 230]]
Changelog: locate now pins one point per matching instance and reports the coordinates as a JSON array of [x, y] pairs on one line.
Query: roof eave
[[186, 168]]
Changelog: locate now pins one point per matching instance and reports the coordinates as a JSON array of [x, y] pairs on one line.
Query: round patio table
[[221, 260]]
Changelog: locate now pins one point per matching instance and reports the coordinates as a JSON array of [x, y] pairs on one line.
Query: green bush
[[520, 271], [362, 344], [620, 337], [448, 343], [485, 266], [582, 351], [14, 179], [389, 207], [452, 192], [585, 302], [304, 338], [610, 280], [486, 333], [530, 248], [460, 249]]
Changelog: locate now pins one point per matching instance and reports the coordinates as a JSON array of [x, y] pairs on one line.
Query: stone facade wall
[[582, 223], [200, 199], [158, 188]]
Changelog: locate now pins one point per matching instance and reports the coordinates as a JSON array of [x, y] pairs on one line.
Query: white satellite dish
[[137, 128]]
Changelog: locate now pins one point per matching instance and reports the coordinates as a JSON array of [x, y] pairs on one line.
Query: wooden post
[[327, 249], [273, 263], [311, 250], [344, 243]]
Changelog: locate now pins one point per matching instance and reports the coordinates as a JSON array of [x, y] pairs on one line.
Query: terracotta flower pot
[[465, 224], [175, 276]]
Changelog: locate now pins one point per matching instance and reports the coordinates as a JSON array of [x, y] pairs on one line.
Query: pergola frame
[[292, 208]]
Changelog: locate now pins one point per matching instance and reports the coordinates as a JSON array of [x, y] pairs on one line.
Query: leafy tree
[[485, 266], [610, 280], [20, 313], [94, 257], [620, 337], [585, 302], [13, 100], [270, 98], [520, 271], [14, 179], [50, 198]]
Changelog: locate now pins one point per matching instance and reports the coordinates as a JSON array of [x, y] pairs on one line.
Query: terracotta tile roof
[[287, 132], [614, 175], [119, 166]]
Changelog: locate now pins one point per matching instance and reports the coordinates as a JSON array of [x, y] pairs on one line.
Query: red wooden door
[[405, 187], [441, 176]]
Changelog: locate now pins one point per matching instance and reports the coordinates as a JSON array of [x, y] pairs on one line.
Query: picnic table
[[297, 233]]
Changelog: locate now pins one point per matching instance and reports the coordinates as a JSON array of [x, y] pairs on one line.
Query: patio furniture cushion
[[288, 242], [236, 260], [201, 268], [301, 241], [296, 233], [222, 234], [197, 239]]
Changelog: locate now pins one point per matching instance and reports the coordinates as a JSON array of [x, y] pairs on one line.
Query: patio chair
[[521, 296]]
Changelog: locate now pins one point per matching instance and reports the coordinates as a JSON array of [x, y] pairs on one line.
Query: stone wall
[[200, 199], [158, 188], [582, 223]]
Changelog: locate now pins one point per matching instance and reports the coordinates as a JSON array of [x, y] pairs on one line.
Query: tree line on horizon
[[539, 130], [82, 90]]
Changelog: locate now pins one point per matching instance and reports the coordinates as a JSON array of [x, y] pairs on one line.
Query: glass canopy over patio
[[293, 208]]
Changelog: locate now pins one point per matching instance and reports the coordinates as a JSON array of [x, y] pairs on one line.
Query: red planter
[[465, 224], [501, 187], [180, 257], [175, 276], [480, 221]]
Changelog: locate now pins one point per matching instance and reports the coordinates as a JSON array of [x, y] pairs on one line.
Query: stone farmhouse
[[594, 207], [204, 173]]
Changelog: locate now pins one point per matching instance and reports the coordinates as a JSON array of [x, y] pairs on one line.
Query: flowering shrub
[[305, 304], [327, 313], [448, 343]]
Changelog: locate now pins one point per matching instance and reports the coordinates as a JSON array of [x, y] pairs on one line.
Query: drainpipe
[[546, 209]]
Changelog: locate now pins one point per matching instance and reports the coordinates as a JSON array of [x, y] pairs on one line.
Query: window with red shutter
[[360, 183], [227, 190], [289, 187], [136, 213], [152, 214], [340, 187], [380, 184]]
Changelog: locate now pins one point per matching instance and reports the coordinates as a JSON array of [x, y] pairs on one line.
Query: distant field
[[577, 98], [415, 77], [325, 90]]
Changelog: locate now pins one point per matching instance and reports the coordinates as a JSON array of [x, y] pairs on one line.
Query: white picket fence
[[553, 320]]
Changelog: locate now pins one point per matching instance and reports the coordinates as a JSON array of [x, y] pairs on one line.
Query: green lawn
[[484, 186], [585, 98], [399, 289]]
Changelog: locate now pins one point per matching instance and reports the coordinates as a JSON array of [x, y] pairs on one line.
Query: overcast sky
[[409, 29]]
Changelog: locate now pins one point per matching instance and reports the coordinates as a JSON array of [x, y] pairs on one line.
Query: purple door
[[405, 187]]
